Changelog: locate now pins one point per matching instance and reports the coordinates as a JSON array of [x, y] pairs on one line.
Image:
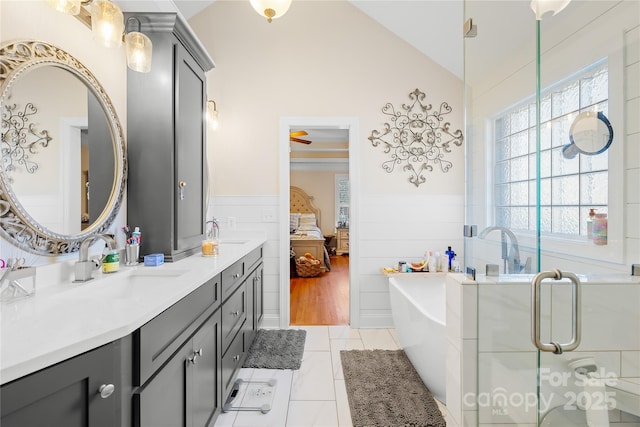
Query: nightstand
[[342, 238]]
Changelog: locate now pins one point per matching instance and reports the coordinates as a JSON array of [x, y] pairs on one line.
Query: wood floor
[[322, 300]]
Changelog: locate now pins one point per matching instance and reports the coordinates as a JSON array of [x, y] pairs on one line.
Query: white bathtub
[[418, 307]]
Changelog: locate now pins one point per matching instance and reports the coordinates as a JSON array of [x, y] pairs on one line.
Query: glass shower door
[[552, 113]]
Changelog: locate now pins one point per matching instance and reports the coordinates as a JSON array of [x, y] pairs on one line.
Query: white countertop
[[67, 319]]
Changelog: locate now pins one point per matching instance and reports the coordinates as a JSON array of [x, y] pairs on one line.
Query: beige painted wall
[[323, 58]]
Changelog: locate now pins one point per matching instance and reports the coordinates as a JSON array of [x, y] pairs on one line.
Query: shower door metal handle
[[576, 324]]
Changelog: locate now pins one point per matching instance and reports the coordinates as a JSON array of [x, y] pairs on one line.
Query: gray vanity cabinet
[[83, 391], [166, 143], [177, 363], [186, 391], [255, 302]]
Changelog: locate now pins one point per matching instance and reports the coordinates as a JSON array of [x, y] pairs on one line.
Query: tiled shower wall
[[493, 345], [632, 135]]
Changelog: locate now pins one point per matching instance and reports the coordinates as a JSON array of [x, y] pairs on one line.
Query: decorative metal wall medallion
[[417, 137], [19, 138]]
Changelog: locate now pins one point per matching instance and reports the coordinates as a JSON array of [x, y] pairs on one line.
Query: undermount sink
[[233, 242], [157, 272]]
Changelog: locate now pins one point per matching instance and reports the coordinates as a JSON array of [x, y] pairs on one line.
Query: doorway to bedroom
[[319, 216]]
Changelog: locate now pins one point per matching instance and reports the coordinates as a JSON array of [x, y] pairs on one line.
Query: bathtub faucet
[[512, 258]]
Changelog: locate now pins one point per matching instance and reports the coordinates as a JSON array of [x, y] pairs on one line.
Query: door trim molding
[[353, 125]]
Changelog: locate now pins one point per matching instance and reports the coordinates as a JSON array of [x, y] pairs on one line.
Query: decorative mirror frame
[[17, 225]]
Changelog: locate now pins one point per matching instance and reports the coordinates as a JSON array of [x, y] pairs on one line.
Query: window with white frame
[[569, 188], [342, 192]]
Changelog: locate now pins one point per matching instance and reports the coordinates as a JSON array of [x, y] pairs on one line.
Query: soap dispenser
[[211, 243]]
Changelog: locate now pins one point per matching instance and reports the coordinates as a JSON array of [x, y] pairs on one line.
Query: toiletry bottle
[[592, 214], [600, 225], [136, 236], [111, 262], [450, 256], [433, 263]]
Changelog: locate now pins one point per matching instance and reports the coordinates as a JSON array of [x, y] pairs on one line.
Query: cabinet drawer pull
[[237, 275], [106, 390]]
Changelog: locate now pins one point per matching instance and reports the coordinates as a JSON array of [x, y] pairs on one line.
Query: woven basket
[[308, 269]]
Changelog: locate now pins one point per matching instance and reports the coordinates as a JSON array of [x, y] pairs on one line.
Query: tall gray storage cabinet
[[166, 144]]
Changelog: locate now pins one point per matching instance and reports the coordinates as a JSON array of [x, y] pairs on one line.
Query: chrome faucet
[[512, 259], [84, 267]]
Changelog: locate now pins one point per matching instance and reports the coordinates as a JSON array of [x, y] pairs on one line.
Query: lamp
[[271, 9], [107, 23], [72, 7], [540, 7], [107, 26], [212, 114], [139, 48]]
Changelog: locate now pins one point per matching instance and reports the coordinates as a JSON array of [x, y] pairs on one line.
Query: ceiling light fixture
[[271, 9], [212, 114], [540, 7], [138, 47]]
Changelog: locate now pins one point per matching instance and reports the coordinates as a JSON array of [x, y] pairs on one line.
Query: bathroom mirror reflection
[[58, 189]]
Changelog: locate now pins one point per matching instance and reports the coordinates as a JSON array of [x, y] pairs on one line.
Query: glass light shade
[[139, 51], [271, 9], [212, 115], [540, 7], [72, 7], [107, 23]]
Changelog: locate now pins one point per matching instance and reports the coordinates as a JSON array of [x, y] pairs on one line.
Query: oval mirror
[[591, 133], [63, 167]]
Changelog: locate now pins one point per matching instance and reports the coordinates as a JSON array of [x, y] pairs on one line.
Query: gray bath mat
[[384, 389], [276, 349]]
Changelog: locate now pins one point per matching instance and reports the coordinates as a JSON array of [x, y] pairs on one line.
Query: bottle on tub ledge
[[450, 254]]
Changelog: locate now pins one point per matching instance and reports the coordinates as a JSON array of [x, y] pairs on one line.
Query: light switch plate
[[269, 214]]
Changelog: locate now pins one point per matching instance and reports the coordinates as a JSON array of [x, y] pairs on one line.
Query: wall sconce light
[[107, 26], [271, 9], [107, 23], [71, 7], [138, 47], [212, 114], [540, 7]]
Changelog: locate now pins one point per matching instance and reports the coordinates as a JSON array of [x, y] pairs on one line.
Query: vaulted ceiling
[[434, 27]]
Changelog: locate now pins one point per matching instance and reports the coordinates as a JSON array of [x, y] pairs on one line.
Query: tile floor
[[314, 395]]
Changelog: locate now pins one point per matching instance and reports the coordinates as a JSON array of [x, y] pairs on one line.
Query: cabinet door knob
[[106, 390], [237, 275], [193, 358], [235, 313], [236, 357]]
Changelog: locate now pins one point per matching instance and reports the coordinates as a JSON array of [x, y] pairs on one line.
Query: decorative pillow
[[294, 220], [308, 219], [302, 227]]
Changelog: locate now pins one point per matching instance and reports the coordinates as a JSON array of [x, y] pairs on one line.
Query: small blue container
[[153, 260]]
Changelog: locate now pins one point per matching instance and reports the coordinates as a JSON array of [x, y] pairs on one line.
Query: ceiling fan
[[293, 137]]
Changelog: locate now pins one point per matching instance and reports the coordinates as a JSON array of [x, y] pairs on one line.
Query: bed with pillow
[[306, 236]]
